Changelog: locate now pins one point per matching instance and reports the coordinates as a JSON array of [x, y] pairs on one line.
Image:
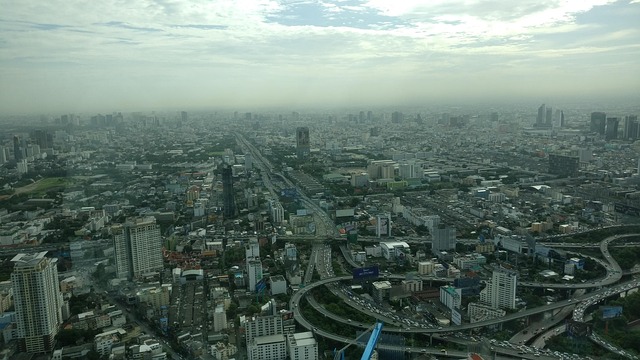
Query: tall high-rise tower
[[303, 147], [228, 198], [17, 149], [548, 120], [598, 122], [611, 132], [631, 127], [138, 247], [540, 119], [37, 300], [254, 272], [501, 291]]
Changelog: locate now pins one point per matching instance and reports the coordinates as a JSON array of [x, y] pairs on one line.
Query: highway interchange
[[320, 261], [614, 274]]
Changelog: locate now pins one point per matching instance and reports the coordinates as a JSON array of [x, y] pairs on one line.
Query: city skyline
[[79, 57]]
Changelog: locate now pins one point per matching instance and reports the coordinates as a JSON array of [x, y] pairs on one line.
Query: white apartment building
[[137, 247], [104, 342], [359, 180], [410, 169], [252, 249], [412, 285], [37, 300], [263, 326], [450, 297], [222, 351], [480, 312], [219, 318], [381, 169], [277, 212], [254, 272], [501, 291], [426, 267], [156, 297], [270, 347], [302, 346]]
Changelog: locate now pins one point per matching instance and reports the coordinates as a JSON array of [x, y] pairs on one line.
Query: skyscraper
[[549, 117], [611, 132], [541, 116], [17, 149], [397, 117], [598, 122], [302, 142], [137, 247], [228, 197], [42, 138], [631, 130], [37, 300], [443, 238], [254, 273], [501, 291]]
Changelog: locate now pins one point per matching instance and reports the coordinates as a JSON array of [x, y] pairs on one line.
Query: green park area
[[43, 185]]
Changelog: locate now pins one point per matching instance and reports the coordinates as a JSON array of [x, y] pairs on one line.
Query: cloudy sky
[[142, 54]]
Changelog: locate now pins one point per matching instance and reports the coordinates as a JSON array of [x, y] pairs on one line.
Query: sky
[[119, 55]]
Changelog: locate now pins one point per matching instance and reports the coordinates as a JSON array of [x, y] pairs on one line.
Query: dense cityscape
[[319, 180], [408, 233]]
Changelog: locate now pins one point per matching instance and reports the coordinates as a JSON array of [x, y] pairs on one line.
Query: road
[[141, 323], [614, 274]]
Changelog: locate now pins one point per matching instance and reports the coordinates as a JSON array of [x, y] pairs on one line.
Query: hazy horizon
[[163, 54]]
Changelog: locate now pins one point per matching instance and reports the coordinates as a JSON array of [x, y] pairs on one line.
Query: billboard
[[364, 273], [286, 315], [352, 237], [610, 312], [456, 318]]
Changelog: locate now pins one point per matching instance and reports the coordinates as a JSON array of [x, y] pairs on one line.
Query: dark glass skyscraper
[[611, 132], [303, 148], [540, 119], [17, 149], [598, 122], [229, 203]]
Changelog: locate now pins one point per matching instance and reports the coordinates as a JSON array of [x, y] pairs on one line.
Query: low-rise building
[[479, 312], [222, 351]]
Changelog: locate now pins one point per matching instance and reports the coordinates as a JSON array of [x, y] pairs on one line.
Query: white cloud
[[172, 43]]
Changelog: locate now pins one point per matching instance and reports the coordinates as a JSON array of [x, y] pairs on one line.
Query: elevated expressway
[[614, 274]]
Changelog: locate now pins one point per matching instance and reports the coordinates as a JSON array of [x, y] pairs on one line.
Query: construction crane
[[376, 329]]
